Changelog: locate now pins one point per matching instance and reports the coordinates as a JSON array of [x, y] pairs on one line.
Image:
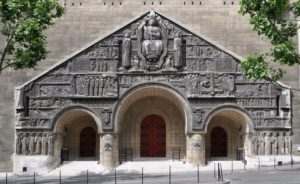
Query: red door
[[218, 142], [153, 136], [88, 142]]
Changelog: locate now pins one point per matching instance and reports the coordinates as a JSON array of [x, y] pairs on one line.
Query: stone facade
[[86, 20], [152, 65]]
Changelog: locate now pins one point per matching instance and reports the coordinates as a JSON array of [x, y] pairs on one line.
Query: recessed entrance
[[218, 142], [77, 135], [88, 142], [153, 136]]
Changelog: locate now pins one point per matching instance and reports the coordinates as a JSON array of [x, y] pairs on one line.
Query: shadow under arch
[[73, 109], [238, 125], [230, 109], [148, 89]]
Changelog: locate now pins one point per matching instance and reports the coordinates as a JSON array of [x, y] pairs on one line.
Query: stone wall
[[87, 20]]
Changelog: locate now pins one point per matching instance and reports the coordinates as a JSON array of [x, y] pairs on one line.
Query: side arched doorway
[[153, 136], [88, 142], [78, 138], [218, 142], [227, 137]]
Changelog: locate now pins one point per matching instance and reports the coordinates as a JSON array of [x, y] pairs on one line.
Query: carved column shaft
[[196, 149], [109, 150]]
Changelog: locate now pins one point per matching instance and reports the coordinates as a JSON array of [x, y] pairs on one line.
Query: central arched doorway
[[218, 142], [153, 136], [88, 142], [161, 104]]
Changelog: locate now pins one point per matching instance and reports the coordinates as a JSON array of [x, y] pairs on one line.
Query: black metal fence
[[115, 177]]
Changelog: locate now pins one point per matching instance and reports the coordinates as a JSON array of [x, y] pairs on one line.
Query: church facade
[[152, 88]]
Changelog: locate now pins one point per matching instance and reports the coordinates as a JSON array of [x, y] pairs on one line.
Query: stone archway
[[147, 100], [233, 127], [73, 129]]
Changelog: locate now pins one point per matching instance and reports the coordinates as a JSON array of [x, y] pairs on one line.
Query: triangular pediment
[[157, 54]]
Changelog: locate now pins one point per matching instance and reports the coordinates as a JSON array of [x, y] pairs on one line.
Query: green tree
[[275, 21], [23, 23]]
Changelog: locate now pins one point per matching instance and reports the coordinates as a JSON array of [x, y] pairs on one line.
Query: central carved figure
[[152, 45]]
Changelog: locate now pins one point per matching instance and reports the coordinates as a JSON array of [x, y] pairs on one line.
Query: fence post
[[142, 175], [244, 165], [6, 179], [218, 171], [87, 176], [274, 162], [115, 176], [125, 155], [258, 163], [170, 175], [221, 170], [198, 174], [59, 177], [231, 165], [214, 170], [33, 177]]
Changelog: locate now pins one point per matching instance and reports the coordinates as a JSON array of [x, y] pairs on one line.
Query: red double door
[[218, 142], [153, 136], [88, 142]]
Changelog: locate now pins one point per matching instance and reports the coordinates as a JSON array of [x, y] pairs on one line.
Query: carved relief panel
[[152, 49], [96, 85], [210, 84]]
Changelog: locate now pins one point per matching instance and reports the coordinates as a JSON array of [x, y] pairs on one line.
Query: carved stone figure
[[135, 63], [287, 143], [275, 144], [194, 84], [268, 144], [93, 65], [152, 45], [32, 144], [198, 113], [80, 85], [229, 85], [261, 141], [19, 143], [51, 138], [169, 64], [126, 51], [44, 144], [25, 144], [281, 141], [91, 86], [96, 89], [106, 116], [254, 143], [177, 50], [38, 143], [101, 86], [110, 86]]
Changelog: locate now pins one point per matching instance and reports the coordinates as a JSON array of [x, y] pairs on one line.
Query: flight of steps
[[73, 168]]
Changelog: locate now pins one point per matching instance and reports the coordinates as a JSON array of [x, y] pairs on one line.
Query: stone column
[[196, 149], [109, 150]]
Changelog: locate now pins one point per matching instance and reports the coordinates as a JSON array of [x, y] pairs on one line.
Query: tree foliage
[[23, 23], [271, 19]]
